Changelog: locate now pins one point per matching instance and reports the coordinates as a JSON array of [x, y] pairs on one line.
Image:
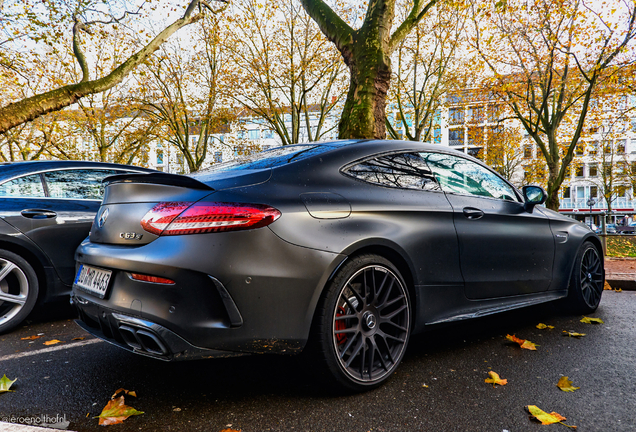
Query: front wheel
[[18, 290], [587, 280], [363, 323]]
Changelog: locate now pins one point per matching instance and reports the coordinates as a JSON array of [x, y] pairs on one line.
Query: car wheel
[[363, 323], [18, 290], [587, 280]]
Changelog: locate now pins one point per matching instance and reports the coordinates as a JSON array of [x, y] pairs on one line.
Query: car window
[[403, 170], [77, 184], [459, 175], [27, 186]]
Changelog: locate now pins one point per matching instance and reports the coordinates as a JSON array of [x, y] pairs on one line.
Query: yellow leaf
[[523, 343], [542, 326], [116, 412], [78, 338], [123, 390], [31, 337], [6, 383], [545, 418], [566, 385], [53, 342], [607, 286], [588, 320], [495, 379], [573, 334]]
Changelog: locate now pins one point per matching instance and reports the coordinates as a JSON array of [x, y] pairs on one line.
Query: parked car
[[343, 249], [46, 210]]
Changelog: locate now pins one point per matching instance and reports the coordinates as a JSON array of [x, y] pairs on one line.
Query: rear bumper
[[137, 335], [235, 292]]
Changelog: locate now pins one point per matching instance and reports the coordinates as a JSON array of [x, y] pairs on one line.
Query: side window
[[77, 184], [25, 187], [404, 170], [459, 175]]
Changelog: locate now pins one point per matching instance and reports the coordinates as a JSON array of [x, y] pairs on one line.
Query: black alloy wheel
[[18, 290], [365, 323], [587, 281]]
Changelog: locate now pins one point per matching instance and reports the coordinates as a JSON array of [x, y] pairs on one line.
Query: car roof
[[16, 169]]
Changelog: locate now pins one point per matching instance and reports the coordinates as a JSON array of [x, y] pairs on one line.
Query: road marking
[[12, 427], [50, 349]]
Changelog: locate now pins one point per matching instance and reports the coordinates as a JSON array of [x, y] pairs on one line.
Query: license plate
[[92, 280]]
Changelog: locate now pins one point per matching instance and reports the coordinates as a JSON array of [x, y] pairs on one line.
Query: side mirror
[[532, 196]]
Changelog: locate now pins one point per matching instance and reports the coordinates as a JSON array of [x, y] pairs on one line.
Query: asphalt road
[[439, 386]]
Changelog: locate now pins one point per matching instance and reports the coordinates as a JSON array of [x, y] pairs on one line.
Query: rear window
[[268, 159]]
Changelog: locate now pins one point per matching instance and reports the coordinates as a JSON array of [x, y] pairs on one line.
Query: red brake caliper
[[340, 325]]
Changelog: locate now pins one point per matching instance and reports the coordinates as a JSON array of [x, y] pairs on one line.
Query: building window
[[493, 113], [620, 147], [579, 150], [566, 193], [194, 140], [159, 157], [593, 191], [593, 148], [578, 171], [592, 170], [607, 170], [475, 114], [437, 134], [268, 134], [527, 151], [218, 157], [476, 152], [456, 116], [476, 136], [456, 137], [253, 134]]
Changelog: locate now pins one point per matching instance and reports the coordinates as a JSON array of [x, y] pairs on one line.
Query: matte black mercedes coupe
[[342, 248]]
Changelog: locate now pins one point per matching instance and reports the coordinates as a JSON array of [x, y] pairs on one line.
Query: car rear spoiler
[[158, 178]]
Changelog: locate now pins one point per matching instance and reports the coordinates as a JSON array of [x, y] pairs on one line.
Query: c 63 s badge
[[131, 236]]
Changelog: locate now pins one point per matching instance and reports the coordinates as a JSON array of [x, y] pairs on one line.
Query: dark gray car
[[46, 210], [343, 249]]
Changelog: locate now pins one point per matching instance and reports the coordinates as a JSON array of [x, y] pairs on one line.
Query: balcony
[[581, 204]]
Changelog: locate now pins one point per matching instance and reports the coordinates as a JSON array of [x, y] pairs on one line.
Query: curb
[[624, 284]]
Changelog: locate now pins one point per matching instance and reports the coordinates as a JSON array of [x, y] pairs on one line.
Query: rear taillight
[[177, 218]]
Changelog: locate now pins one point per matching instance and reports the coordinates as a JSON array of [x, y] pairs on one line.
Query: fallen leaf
[[495, 379], [573, 334], [588, 320], [79, 338], [618, 290], [545, 418], [116, 412], [566, 385], [230, 430], [607, 286], [30, 338], [523, 343], [123, 390], [53, 342], [542, 326], [6, 383]]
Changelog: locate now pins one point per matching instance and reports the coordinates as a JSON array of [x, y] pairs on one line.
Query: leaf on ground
[[523, 343], [124, 391], [6, 383], [31, 337], [607, 286], [78, 338], [566, 385], [116, 411], [573, 334], [588, 320], [53, 342], [542, 326], [618, 290], [495, 379], [545, 418], [230, 430]]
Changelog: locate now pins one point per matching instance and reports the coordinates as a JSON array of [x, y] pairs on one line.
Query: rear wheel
[[587, 280], [18, 290], [363, 324]]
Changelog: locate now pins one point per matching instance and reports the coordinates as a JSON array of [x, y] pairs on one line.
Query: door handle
[[473, 213], [38, 214]]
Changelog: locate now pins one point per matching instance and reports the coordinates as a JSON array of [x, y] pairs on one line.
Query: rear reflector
[[153, 279], [178, 218]]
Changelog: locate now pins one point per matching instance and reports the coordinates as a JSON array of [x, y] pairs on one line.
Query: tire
[[362, 325], [18, 290], [587, 280]]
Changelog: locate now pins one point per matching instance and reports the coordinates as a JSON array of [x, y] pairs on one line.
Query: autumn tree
[[429, 63], [48, 21], [367, 53], [504, 153], [283, 70], [182, 92], [546, 59]]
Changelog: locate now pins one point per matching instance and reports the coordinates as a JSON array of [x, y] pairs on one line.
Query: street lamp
[[590, 203]]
